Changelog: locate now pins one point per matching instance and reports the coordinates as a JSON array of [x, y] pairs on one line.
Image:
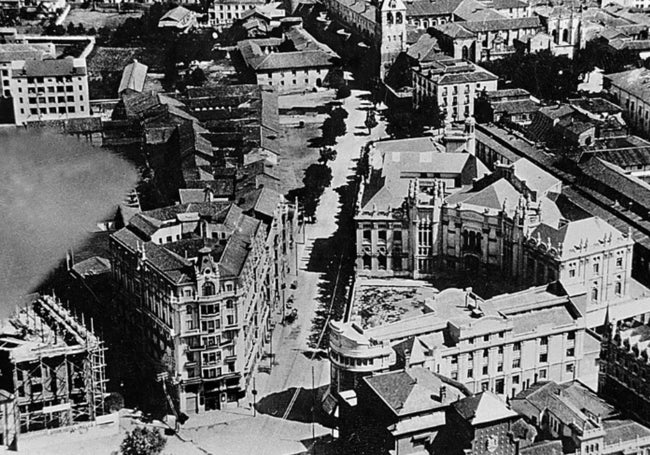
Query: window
[[499, 367], [470, 340], [543, 358], [470, 373], [486, 338], [569, 368], [619, 262], [543, 341], [618, 287], [515, 379], [485, 370], [454, 360], [231, 319], [454, 375], [485, 353], [516, 346], [596, 266], [570, 352], [594, 293], [502, 335], [485, 385], [516, 363], [189, 309], [571, 336], [542, 373], [208, 288]]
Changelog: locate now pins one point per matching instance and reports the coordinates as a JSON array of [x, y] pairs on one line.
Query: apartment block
[[39, 83], [503, 344], [453, 84], [201, 285]]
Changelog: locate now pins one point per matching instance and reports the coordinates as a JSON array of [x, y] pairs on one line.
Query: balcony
[[196, 347]]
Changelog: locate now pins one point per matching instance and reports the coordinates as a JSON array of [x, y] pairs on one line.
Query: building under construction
[[52, 364]]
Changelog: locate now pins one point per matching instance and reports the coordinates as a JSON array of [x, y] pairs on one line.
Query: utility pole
[[254, 392], [313, 407]]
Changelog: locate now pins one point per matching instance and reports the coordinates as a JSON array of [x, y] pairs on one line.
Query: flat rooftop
[[378, 302], [391, 309]]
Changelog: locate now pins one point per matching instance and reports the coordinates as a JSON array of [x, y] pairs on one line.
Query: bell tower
[[392, 22]]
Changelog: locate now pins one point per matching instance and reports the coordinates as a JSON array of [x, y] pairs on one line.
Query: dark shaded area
[[305, 408], [334, 259]]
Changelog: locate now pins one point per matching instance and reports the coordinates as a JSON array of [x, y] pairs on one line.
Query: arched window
[[594, 294], [398, 18], [389, 18], [465, 54], [555, 36], [367, 262], [189, 309], [208, 288], [565, 35]]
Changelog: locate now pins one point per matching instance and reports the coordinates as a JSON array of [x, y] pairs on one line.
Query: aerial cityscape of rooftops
[[378, 227]]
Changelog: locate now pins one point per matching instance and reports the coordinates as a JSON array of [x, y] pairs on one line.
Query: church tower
[[392, 23]]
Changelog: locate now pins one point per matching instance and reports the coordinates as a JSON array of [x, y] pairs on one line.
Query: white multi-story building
[[223, 13], [503, 344], [454, 84], [41, 86]]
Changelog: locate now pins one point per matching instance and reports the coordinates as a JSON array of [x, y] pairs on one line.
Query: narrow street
[[285, 397], [282, 421]]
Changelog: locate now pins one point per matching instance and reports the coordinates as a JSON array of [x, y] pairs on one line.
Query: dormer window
[[208, 289]]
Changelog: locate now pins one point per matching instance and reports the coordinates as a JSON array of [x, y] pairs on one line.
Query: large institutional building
[[423, 207], [39, 84], [201, 284], [503, 344]]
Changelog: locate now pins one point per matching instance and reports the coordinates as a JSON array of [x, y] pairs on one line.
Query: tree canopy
[[143, 441]]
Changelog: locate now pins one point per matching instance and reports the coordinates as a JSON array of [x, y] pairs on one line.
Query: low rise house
[[513, 106], [629, 89], [584, 422], [180, 18], [223, 13], [303, 68]]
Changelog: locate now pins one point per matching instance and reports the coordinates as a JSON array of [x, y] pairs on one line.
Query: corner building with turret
[[200, 286]]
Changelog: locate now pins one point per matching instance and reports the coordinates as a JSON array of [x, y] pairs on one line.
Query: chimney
[[443, 393]]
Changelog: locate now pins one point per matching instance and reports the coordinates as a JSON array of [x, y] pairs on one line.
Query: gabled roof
[[424, 49], [454, 30], [572, 236], [502, 24], [133, 77], [176, 14], [413, 390], [571, 403], [495, 196], [535, 177], [482, 408]]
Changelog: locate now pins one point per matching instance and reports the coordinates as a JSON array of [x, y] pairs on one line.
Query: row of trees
[[318, 176]]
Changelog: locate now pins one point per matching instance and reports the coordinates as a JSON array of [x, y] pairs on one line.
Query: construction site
[[52, 365]]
